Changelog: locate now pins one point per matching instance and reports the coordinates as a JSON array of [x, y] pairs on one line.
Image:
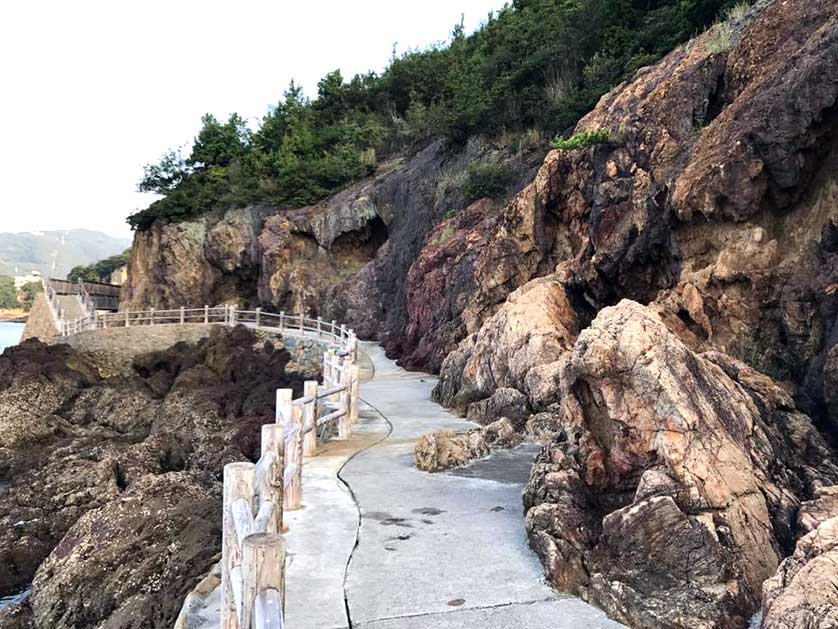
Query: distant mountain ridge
[[54, 253]]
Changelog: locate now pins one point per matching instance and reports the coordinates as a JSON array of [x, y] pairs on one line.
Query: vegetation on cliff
[[99, 271], [534, 67]]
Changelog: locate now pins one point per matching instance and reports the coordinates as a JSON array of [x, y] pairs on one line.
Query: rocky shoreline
[[88, 458]]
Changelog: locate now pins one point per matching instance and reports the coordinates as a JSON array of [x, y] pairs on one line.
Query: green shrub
[[485, 179], [581, 140]]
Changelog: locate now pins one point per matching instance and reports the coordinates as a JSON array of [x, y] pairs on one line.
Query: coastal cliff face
[[658, 309], [347, 258]]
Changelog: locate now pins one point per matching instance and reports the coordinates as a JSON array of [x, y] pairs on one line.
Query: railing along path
[[256, 495]]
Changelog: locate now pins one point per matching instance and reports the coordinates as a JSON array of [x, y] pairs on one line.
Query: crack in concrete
[[458, 610], [357, 506]]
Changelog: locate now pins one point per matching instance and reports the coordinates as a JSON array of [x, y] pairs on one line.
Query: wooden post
[[310, 418], [127, 319], [206, 314], [258, 316], [294, 454], [319, 327], [281, 320], [334, 327], [182, 315], [354, 393], [302, 318], [272, 486], [238, 484], [327, 368], [263, 571], [283, 405], [343, 402], [151, 316], [342, 330]]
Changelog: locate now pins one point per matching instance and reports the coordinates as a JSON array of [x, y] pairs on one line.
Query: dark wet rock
[[78, 450], [131, 562]]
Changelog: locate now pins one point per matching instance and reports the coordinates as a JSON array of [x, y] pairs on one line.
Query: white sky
[[92, 90]]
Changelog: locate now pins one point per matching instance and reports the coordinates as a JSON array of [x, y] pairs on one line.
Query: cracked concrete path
[[403, 549], [442, 550]]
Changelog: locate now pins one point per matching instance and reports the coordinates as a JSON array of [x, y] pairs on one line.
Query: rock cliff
[[347, 258], [658, 309]]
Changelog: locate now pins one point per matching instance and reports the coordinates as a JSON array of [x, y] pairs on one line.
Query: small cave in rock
[[360, 246]]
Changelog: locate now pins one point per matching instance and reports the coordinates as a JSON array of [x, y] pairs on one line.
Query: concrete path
[[442, 550], [389, 547]]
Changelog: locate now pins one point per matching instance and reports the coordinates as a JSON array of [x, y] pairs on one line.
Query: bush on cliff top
[[533, 65]]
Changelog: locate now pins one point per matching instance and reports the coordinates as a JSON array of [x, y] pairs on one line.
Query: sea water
[[9, 334]]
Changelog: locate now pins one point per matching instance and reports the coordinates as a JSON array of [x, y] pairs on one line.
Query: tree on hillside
[[8, 293], [100, 271], [28, 292], [533, 66]]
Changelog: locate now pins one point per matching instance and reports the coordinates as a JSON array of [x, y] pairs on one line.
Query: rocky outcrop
[[714, 201], [444, 449], [804, 592], [132, 561], [346, 258], [127, 465], [515, 355], [670, 492]]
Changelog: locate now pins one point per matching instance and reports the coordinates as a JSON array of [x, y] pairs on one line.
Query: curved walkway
[[442, 550], [381, 545]]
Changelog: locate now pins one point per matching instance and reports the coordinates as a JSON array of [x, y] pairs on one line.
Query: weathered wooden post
[[310, 418], [342, 330], [284, 398], [151, 317], [258, 317], [182, 315], [355, 393], [302, 318], [271, 484], [294, 453], [334, 327], [238, 484], [281, 320], [264, 580], [343, 402], [319, 327], [328, 356], [127, 319], [233, 315], [206, 314]]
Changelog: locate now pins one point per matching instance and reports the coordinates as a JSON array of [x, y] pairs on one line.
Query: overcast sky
[[90, 91]]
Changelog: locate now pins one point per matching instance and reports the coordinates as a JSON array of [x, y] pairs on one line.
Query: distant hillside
[[54, 253]]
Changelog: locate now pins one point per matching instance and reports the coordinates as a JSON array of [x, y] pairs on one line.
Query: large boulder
[[670, 492], [518, 349]]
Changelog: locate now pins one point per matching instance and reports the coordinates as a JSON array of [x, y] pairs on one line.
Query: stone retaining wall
[[40, 323]]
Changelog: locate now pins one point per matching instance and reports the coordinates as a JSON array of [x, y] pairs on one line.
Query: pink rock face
[[683, 470]]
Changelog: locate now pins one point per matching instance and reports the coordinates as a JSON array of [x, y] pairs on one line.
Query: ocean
[[9, 334]]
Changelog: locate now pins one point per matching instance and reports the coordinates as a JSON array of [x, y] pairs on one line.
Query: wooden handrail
[[256, 495]]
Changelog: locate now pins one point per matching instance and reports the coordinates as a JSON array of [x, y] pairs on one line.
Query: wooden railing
[[256, 495]]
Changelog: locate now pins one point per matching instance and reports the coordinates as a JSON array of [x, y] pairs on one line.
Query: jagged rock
[[519, 348], [508, 403], [669, 494], [804, 592], [75, 444], [443, 449], [131, 562]]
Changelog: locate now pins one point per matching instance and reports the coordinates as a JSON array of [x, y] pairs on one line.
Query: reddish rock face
[[670, 491]]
